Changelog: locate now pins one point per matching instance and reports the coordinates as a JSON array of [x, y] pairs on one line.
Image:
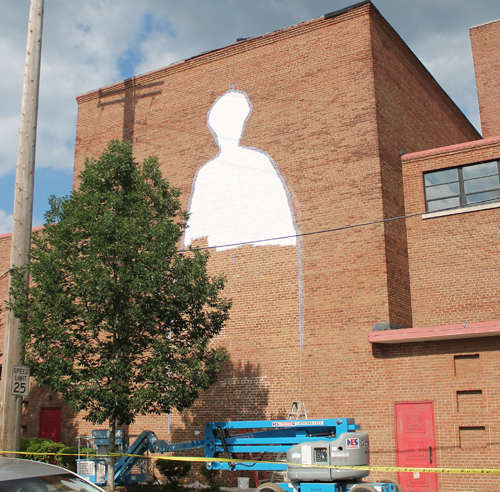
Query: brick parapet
[[230, 51], [485, 40]]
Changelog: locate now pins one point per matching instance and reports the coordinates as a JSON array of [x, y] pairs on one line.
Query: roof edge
[[451, 148], [238, 45], [437, 333], [346, 9], [484, 24], [9, 234]]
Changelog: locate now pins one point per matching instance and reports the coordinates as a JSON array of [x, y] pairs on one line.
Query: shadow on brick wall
[[241, 393]]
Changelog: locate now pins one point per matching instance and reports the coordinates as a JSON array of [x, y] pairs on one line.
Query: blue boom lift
[[315, 450]]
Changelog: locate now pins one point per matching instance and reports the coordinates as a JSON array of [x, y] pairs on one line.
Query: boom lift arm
[[315, 450]]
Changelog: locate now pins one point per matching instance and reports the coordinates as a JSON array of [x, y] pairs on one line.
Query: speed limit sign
[[20, 381]]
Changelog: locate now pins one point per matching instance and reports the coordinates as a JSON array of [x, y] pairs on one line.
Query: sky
[[89, 44]]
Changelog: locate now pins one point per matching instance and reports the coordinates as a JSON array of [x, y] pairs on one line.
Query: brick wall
[[485, 40], [334, 101], [453, 265], [444, 373], [313, 100], [453, 272], [413, 113]]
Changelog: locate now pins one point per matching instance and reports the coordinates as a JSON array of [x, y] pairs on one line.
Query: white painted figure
[[239, 196]]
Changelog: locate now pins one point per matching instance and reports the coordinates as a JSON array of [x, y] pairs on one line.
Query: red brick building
[[348, 132]]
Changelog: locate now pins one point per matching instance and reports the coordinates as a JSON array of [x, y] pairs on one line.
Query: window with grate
[[461, 186]]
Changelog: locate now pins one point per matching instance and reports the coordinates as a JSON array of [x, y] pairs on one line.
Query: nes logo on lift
[[352, 443]]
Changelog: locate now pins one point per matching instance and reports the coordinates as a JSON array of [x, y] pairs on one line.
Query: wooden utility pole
[[10, 406]]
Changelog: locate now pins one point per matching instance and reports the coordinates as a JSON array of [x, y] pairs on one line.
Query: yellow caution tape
[[461, 471]]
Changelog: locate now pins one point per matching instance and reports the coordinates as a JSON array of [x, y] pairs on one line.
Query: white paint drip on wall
[[239, 196]]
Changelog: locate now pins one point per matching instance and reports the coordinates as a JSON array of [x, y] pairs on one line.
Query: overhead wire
[[336, 229], [321, 231]]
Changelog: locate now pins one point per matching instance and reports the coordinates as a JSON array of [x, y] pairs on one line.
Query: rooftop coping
[[241, 40], [484, 24], [9, 234], [435, 333], [452, 148]]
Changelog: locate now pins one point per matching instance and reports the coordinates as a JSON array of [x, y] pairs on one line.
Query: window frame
[[462, 195]]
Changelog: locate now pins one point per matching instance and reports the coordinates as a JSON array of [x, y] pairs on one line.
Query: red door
[[50, 424], [415, 445]]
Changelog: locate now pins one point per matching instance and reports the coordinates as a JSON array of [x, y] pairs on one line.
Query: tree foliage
[[173, 472], [115, 318]]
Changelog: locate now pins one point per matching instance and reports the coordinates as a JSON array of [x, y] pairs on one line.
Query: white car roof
[[14, 468]]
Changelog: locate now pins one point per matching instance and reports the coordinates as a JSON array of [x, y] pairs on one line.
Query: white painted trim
[[461, 210], [484, 24]]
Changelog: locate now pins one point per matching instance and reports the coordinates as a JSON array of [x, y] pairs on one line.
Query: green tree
[[115, 318]]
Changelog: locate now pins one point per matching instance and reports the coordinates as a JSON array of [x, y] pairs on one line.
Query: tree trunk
[[111, 459]]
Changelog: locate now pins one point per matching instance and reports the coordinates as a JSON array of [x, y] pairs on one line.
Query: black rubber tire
[[362, 487], [269, 487]]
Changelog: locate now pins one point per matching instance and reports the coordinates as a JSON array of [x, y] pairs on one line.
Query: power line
[[336, 229], [4, 275], [322, 231]]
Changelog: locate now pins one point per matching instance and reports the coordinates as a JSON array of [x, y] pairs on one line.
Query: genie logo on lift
[[352, 443], [288, 423]]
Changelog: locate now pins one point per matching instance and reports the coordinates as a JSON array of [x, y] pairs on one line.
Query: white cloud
[[156, 54], [5, 222], [9, 132], [453, 68], [82, 43]]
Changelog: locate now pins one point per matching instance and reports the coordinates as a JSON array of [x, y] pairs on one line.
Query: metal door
[[50, 424], [415, 445]]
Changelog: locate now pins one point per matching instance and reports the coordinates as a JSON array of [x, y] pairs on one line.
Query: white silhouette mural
[[239, 196]]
